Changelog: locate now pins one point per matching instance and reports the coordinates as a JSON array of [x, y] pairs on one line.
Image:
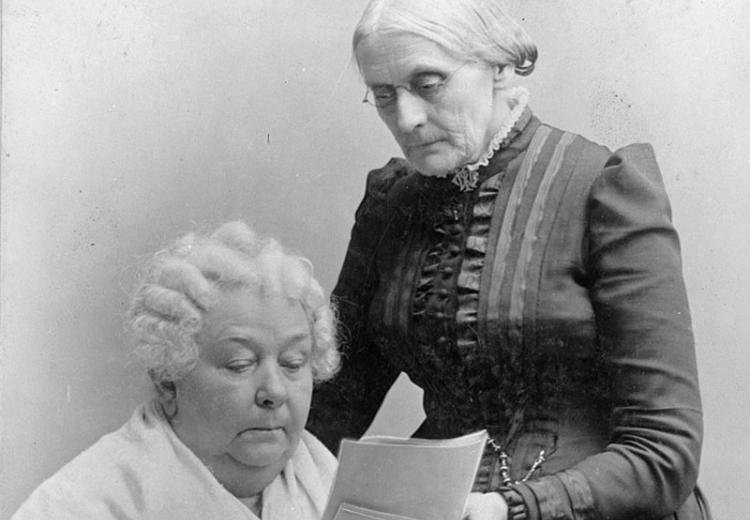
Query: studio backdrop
[[126, 123]]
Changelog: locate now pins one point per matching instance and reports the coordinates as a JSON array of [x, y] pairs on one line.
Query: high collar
[[466, 177]]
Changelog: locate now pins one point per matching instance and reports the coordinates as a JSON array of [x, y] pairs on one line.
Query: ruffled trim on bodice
[[446, 297], [467, 176]]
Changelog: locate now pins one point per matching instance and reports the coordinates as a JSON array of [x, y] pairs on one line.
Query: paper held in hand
[[388, 478]]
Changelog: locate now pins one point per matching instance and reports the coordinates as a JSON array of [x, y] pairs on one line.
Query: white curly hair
[[181, 282]]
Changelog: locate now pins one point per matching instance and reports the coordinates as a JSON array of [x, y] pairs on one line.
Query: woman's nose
[[409, 111], [271, 391]]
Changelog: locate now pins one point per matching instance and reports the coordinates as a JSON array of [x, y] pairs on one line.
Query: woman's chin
[[433, 165], [429, 169], [260, 458], [261, 454]]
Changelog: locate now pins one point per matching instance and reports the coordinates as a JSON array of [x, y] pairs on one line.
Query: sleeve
[[59, 500], [346, 405], [650, 465]]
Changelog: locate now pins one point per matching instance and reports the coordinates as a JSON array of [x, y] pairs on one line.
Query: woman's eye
[[294, 365], [240, 366], [429, 84], [383, 94]]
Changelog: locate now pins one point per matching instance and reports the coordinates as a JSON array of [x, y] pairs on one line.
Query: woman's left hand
[[486, 506]]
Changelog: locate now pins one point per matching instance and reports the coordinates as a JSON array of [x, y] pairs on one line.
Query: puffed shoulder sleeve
[[650, 465], [345, 406]]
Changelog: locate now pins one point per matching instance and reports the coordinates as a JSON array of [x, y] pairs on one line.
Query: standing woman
[[528, 279]]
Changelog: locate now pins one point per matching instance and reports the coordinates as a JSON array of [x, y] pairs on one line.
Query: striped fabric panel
[[493, 275], [531, 232], [411, 258], [395, 310]]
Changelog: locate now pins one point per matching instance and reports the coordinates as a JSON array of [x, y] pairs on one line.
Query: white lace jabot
[[467, 176]]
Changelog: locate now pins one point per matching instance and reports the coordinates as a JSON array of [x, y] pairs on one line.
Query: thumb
[[485, 506]]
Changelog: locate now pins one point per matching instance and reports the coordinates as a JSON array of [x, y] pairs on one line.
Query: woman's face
[[436, 135], [244, 406]]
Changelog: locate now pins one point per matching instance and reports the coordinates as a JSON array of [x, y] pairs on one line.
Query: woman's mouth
[[424, 146], [263, 432]]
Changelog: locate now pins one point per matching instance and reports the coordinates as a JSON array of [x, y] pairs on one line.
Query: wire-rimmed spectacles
[[429, 86]]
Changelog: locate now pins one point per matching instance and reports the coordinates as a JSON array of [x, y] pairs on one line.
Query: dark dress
[[547, 306]]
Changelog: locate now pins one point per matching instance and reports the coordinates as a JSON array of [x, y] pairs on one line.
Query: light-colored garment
[[143, 471]]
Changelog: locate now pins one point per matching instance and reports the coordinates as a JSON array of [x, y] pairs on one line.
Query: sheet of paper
[[351, 512], [417, 479]]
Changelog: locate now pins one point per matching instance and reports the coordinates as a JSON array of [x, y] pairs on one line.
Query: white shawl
[[143, 471]]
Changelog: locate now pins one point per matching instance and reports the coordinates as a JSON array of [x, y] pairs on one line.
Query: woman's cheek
[[459, 137]]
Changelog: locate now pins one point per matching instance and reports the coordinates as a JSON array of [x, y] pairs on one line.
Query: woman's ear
[[166, 393], [166, 390], [504, 76]]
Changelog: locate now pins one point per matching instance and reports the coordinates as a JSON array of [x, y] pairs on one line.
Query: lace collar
[[467, 176]]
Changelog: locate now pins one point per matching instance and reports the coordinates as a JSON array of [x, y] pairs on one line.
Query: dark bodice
[[546, 306], [481, 358]]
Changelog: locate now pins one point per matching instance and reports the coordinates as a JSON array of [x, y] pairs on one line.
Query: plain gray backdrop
[[127, 122]]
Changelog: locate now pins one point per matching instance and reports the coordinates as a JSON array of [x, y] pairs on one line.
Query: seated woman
[[233, 332]]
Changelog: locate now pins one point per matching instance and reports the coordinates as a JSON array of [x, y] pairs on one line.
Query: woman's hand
[[486, 506]]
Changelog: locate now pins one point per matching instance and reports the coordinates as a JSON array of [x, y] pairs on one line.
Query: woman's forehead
[[395, 57], [246, 313]]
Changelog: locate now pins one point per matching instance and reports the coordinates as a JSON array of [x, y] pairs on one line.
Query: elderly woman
[[526, 278], [233, 332]]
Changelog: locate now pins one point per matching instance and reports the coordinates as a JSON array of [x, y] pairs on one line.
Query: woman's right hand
[[485, 506]]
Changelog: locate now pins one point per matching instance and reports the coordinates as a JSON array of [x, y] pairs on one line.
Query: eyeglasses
[[429, 86]]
